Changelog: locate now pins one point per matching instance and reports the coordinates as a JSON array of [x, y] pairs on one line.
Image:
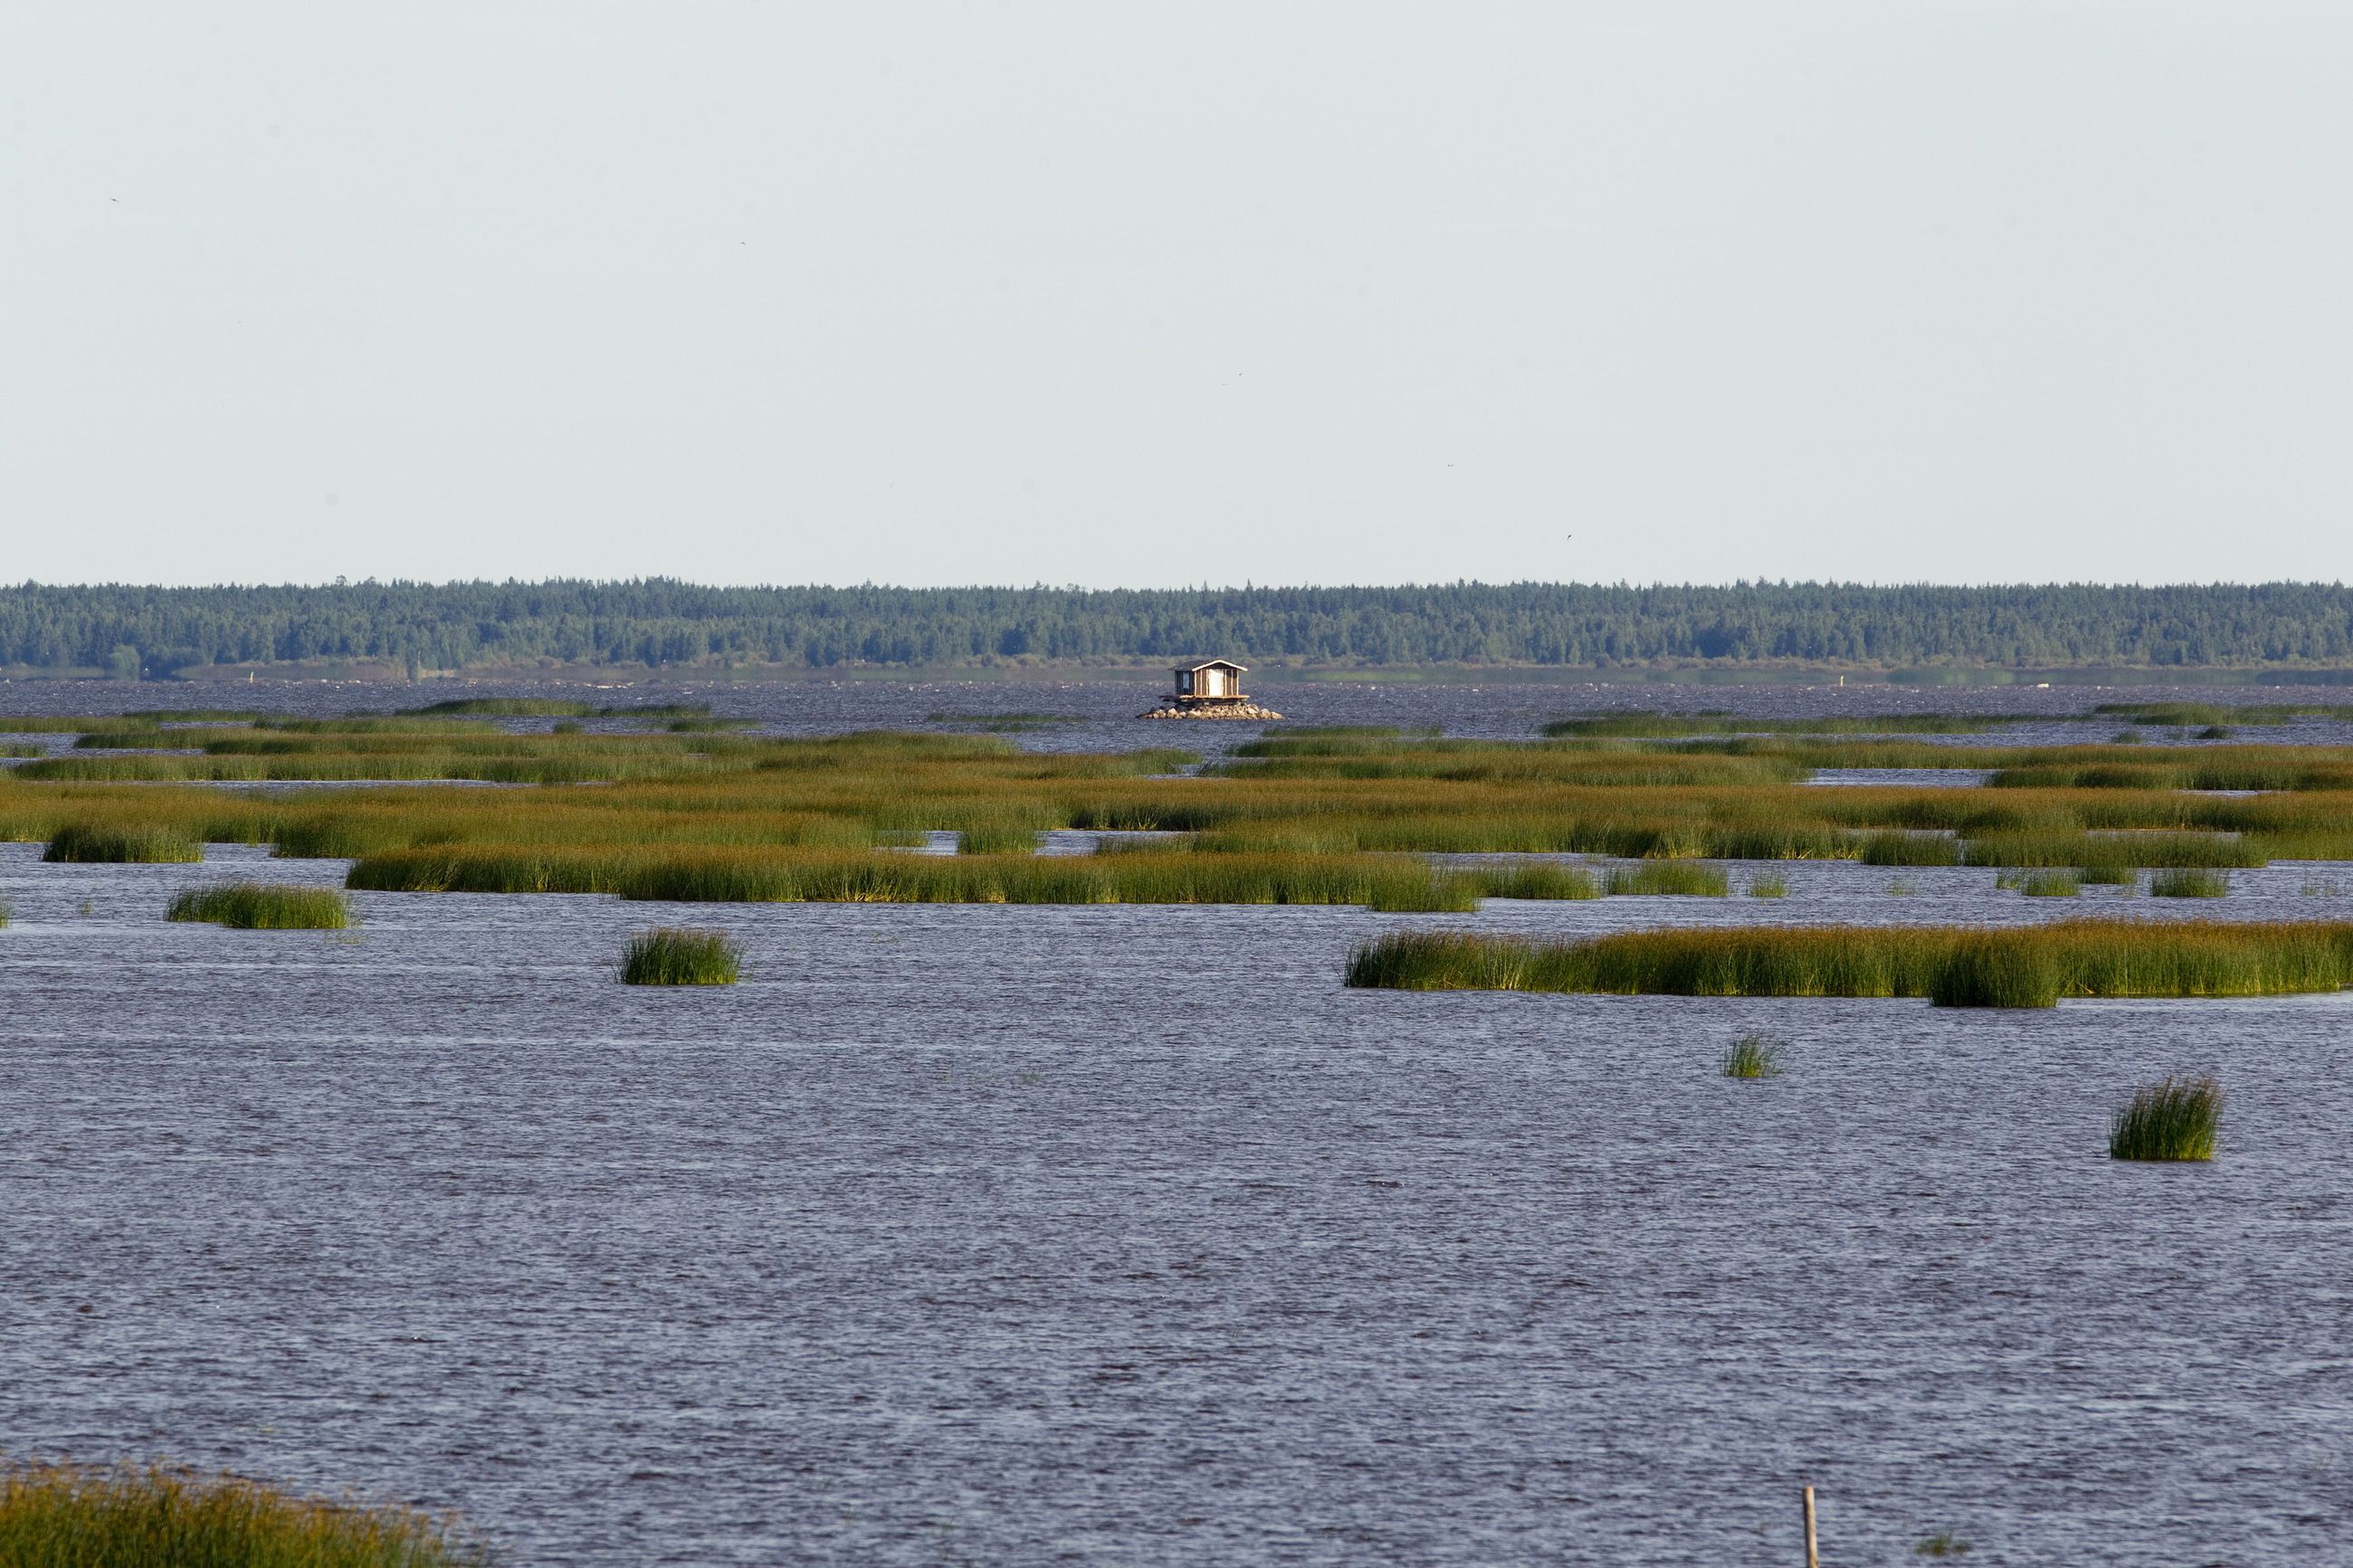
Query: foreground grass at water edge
[[2175, 1118], [64, 1516], [681, 955], [1961, 966], [264, 906]]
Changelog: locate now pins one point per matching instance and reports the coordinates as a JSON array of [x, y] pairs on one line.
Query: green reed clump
[[681, 955], [2067, 848], [2111, 876], [67, 1516], [1905, 848], [1753, 1056], [1533, 879], [2190, 883], [2063, 883], [997, 838], [2175, 1118], [1674, 877], [1768, 885], [121, 843], [264, 906], [1994, 969], [2032, 966]]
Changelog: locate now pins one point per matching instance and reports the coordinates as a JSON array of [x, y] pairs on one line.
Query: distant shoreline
[[1153, 674]]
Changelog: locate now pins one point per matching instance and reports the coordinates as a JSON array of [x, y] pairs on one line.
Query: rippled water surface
[[986, 1235]]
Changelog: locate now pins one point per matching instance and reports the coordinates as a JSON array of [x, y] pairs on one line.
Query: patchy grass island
[[1964, 966]]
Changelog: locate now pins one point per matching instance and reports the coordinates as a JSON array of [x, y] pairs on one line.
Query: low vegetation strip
[[264, 906], [134, 843], [64, 1516], [1962, 966], [582, 805]]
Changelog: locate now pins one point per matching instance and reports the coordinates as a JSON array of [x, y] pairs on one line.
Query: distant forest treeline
[[658, 622]]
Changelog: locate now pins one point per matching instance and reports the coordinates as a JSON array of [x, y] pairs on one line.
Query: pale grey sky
[[1141, 294]]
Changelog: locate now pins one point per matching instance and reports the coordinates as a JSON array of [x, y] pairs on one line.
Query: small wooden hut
[[1211, 688]]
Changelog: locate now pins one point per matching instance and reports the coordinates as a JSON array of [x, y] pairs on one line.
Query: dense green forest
[[458, 625]]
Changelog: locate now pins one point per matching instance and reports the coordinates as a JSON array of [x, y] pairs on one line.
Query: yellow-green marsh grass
[[2175, 1118], [1679, 878], [2058, 884], [2190, 883], [1752, 1056], [681, 955], [264, 906], [604, 811], [65, 1516], [140, 843], [2029, 966]]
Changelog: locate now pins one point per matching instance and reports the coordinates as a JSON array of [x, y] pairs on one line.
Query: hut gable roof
[[1215, 664]]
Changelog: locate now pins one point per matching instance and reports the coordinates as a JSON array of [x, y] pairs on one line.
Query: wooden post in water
[[1813, 1554]]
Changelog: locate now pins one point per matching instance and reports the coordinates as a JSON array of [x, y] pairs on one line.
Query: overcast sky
[[1116, 294]]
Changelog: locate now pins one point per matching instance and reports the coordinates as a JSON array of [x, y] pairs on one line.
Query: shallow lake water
[[994, 1236]]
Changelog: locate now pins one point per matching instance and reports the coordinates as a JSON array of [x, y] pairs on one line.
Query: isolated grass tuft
[[264, 906], [681, 955], [1671, 877], [1753, 1056], [65, 1516], [140, 843], [2175, 1118], [1768, 885], [2189, 882], [2062, 883], [1943, 1543]]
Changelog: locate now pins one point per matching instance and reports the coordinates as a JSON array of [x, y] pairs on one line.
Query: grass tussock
[[1768, 885], [1537, 880], [1902, 848], [681, 955], [264, 906], [2032, 966], [2190, 883], [1752, 1056], [1679, 878], [121, 844], [2063, 883], [2175, 1118], [64, 1516]]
